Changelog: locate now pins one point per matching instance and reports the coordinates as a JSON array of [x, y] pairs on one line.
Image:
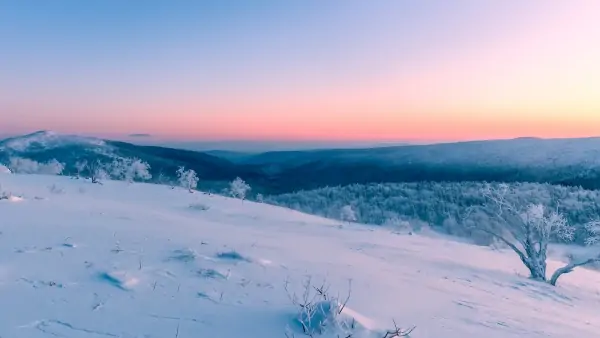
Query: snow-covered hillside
[[45, 140], [140, 260]]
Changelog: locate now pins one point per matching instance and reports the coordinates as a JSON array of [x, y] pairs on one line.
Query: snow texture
[[132, 260]]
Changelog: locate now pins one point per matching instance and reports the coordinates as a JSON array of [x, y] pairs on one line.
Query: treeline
[[442, 206]]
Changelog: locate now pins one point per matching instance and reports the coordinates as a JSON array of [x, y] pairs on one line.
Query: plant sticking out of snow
[[529, 231], [348, 214], [319, 313], [4, 195], [187, 178], [238, 188]]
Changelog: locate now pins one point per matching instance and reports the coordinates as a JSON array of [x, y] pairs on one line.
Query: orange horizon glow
[[538, 77]]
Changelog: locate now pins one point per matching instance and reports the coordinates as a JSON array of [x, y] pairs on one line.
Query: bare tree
[[528, 231]]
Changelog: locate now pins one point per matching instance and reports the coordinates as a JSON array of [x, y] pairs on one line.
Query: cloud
[[140, 135]]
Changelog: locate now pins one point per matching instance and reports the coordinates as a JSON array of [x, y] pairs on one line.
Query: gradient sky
[[302, 69]]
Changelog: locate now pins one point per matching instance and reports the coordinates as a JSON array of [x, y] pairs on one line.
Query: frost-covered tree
[[260, 198], [80, 167], [528, 231], [128, 169], [117, 168], [52, 167], [139, 169], [23, 165], [27, 166], [98, 172], [593, 229], [187, 178], [238, 188], [348, 214]]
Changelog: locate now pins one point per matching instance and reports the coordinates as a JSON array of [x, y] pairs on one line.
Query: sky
[[300, 70]]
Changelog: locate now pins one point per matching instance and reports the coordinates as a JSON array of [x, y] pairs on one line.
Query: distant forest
[[438, 205]]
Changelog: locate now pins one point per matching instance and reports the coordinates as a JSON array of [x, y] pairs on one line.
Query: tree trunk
[[537, 269]]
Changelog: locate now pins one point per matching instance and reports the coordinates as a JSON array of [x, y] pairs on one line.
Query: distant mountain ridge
[[574, 162]]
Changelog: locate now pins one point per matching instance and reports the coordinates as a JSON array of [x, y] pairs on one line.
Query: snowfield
[[140, 260]]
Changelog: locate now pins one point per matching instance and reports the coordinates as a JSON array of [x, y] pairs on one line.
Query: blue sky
[[278, 69]]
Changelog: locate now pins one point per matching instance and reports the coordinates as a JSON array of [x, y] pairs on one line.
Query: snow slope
[[119, 260], [46, 139]]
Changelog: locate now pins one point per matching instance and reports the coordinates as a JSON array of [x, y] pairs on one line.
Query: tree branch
[[569, 268]]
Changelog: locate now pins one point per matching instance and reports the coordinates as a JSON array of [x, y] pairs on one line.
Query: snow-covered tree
[[27, 166], [80, 167], [238, 188], [117, 168], [187, 178], [23, 165], [260, 198], [140, 170], [528, 231], [52, 167], [98, 172], [128, 169], [348, 214]]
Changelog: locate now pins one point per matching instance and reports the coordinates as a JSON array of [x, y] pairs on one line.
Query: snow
[[134, 260], [46, 140], [4, 169]]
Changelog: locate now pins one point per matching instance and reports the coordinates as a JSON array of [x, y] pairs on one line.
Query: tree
[[80, 167], [27, 166], [187, 178], [23, 165], [260, 198], [348, 214], [129, 170], [238, 188], [593, 229], [98, 172], [528, 231]]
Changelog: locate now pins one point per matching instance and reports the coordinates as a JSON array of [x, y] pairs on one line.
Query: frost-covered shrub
[[238, 188], [187, 179], [348, 214], [128, 169], [26, 166]]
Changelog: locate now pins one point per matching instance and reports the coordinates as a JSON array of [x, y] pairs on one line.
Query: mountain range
[[573, 162]]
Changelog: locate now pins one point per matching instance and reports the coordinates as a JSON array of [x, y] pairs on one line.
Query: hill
[[573, 162], [214, 172], [142, 260]]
